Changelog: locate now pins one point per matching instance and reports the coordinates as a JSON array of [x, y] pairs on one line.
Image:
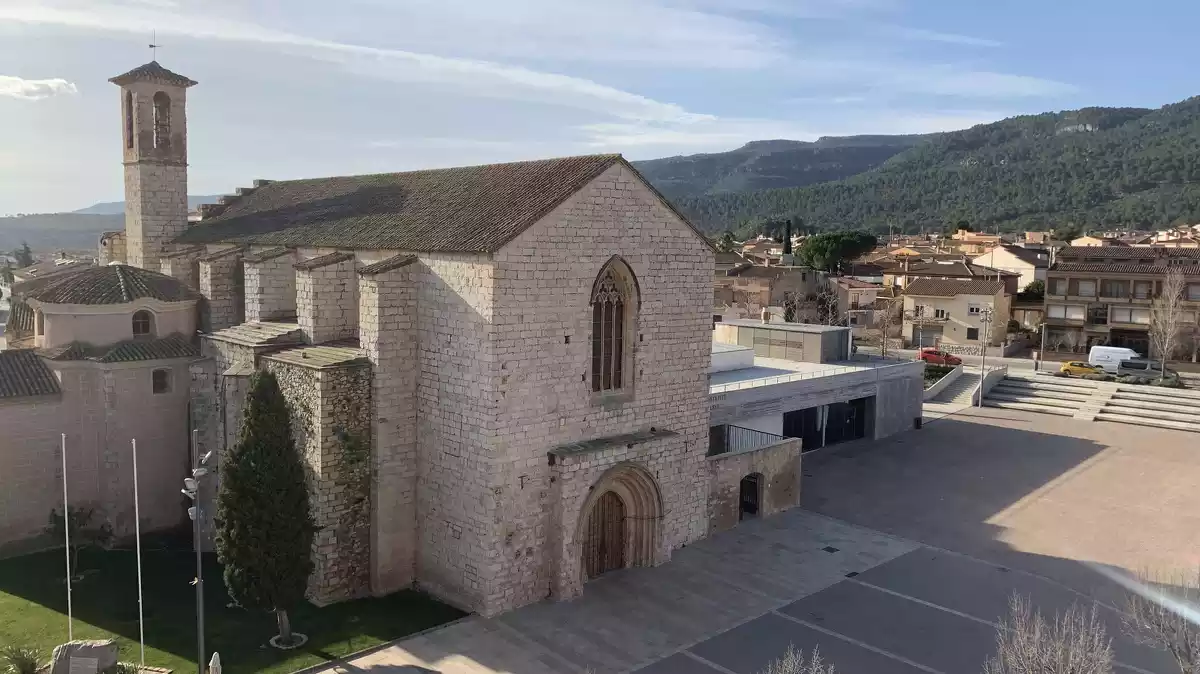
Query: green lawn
[[33, 608]]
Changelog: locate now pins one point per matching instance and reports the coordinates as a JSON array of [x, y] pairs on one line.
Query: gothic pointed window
[[162, 120], [614, 308]]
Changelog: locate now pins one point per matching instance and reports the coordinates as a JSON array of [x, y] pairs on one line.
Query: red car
[[935, 357]]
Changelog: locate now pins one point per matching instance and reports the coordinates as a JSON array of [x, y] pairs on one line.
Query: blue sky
[[302, 88]]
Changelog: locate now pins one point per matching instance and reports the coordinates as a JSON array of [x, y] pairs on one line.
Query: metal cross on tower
[[154, 46]]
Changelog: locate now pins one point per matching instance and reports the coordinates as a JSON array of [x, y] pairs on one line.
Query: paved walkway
[[630, 619]]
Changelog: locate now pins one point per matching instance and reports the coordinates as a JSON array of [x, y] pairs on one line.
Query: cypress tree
[[264, 526]]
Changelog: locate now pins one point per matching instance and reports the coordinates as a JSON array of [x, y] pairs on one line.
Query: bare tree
[[1074, 340], [1162, 613], [794, 662], [1075, 643], [827, 305], [1166, 312], [886, 317]]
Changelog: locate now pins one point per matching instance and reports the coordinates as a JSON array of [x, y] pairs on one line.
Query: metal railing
[[800, 376], [729, 438]]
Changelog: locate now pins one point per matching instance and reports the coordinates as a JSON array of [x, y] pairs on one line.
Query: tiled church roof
[[23, 374], [113, 284], [129, 351], [154, 72], [475, 209]]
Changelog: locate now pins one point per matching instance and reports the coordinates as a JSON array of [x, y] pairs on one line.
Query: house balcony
[[728, 438], [1065, 322], [1114, 299]]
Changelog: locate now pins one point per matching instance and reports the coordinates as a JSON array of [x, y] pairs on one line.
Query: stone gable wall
[[388, 334], [541, 364], [456, 419], [327, 302], [779, 484], [270, 289], [112, 249]]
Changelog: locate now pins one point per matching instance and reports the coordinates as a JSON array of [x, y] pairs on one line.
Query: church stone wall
[[270, 289], [222, 284], [330, 414], [541, 362], [456, 419], [155, 211], [112, 248], [327, 302], [100, 409], [388, 334]]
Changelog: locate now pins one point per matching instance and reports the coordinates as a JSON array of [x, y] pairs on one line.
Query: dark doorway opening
[[750, 497], [826, 425], [604, 544]]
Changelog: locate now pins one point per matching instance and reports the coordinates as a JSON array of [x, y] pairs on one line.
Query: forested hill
[[767, 164], [1098, 167]]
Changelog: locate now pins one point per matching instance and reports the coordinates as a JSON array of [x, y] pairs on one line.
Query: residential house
[[900, 273], [1103, 295], [744, 291], [727, 261], [1030, 263], [856, 299], [973, 243], [958, 315], [1097, 242]]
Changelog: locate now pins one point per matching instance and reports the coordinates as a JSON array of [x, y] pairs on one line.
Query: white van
[[1109, 357]]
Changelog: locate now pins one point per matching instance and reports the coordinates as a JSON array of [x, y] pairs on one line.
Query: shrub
[[19, 660], [1060, 373], [1099, 376], [1156, 615], [794, 662], [1075, 643], [1170, 382]]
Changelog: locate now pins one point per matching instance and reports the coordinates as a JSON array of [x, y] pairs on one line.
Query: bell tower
[[154, 142]]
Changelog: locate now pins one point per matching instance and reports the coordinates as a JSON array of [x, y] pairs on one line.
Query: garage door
[[926, 335]]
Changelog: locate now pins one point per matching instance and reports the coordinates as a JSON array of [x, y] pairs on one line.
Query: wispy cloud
[[479, 77], [946, 38], [34, 90]]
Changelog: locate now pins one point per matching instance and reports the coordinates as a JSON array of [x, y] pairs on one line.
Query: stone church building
[[497, 374]]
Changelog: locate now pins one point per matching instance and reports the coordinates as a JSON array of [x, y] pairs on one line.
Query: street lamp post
[[985, 315], [191, 489]]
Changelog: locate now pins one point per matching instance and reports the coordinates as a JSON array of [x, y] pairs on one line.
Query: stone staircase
[[960, 390], [1098, 401], [1159, 407]]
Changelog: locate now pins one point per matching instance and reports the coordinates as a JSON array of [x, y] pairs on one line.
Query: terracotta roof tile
[[383, 266], [268, 254], [113, 284], [129, 351], [929, 287], [1126, 268], [467, 209], [154, 72], [23, 374], [323, 261]]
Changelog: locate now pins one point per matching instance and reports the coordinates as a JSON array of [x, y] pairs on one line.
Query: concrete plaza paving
[[1001, 502]]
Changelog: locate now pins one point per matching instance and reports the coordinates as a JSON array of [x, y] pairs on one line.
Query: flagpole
[[137, 528], [67, 536]]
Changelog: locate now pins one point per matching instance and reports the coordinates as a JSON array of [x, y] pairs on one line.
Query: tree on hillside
[[827, 251], [726, 244], [23, 255], [264, 526], [787, 238], [1068, 232], [1166, 316]]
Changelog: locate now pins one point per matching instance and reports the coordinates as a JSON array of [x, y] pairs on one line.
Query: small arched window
[[614, 309], [129, 119], [162, 120], [143, 323]]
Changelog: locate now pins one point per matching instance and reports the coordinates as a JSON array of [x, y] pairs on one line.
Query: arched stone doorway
[[620, 522]]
